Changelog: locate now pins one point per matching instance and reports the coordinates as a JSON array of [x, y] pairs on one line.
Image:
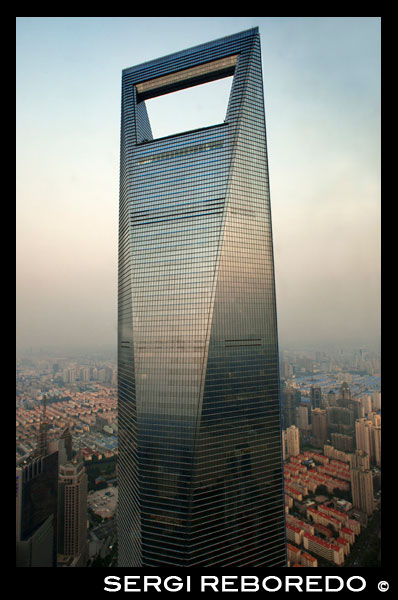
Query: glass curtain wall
[[200, 467]]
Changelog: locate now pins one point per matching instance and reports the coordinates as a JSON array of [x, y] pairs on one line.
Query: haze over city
[[322, 102]]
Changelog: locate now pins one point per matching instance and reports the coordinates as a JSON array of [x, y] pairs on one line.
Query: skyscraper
[[344, 396], [200, 470], [288, 407], [293, 440], [364, 437], [319, 426], [36, 511], [316, 397], [72, 515], [362, 482]]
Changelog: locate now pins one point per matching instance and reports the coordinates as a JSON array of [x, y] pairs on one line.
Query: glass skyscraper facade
[[200, 453]]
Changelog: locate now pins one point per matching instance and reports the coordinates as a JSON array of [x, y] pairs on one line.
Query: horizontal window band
[[210, 71], [170, 203], [164, 211], [180, 152], [176, 218], [247, 340], [241, 345]]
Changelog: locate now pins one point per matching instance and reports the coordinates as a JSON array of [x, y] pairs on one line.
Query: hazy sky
[[322, 102]]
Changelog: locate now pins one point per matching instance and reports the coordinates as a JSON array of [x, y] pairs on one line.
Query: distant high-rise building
[[319, 426], [287, 369], [357, 408], [69, 375], [325, 365], [377, 444], [368, 437], [63, 446], [362, 482], [376, 401], [66, 445], [302, 417], [72, 515], [366, 403], [331, 398], [316, 397], [360, 460], [364, 437], [84, 374], [375, 418], [288, 407], [344, 395], [342, 442], [340, 420], [293, 441], [102, 375], [200, 457], [304, 364], [283, 445]]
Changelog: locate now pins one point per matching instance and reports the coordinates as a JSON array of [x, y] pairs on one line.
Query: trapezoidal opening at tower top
[[190, 108], [188, 99]]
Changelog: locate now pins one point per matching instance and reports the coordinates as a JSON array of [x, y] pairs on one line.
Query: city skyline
[[321, 81], [86, 404]]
